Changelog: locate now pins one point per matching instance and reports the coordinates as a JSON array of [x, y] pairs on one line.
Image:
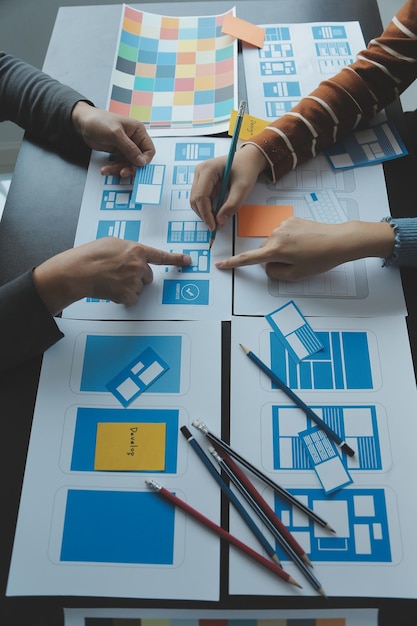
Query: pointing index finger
[[162, 257], [251, 257]]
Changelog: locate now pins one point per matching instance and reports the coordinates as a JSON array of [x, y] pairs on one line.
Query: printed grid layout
[[174, 73]]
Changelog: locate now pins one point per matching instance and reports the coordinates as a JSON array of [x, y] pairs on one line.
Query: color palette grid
[[174, 73], [120, 621]]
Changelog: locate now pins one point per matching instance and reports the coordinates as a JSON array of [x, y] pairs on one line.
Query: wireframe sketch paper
[[363, 392], [321, 194], [99, 530], [292, 62], [153, 208]]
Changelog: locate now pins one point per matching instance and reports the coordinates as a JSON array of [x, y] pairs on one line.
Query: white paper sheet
[[294, 59], [363, 385], [165, 220], [64, 542], [360, 288]]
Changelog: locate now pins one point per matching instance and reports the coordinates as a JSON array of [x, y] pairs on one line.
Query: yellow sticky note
[[243, 30], [260, 220], [130, 446], [250, 125]]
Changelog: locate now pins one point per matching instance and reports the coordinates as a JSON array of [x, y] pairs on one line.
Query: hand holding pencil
[[228, 168]]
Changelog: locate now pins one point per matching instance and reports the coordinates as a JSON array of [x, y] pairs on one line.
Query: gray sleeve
[[405, 248], [38, 103], [26, 327]]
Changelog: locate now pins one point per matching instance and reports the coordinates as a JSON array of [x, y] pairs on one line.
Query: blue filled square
[[106, 355], [117, 527], [185, 292]]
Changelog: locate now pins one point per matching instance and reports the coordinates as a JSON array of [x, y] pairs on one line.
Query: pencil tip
[[328, 527], [276, 559], [307, 560], [244, 348], [294, 582], [322, 592]]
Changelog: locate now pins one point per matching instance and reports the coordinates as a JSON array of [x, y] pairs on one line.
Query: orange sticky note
[[126, 446], [243, 30], [260, 220]]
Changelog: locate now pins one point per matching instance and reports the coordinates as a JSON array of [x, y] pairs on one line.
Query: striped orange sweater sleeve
[[379, 74]]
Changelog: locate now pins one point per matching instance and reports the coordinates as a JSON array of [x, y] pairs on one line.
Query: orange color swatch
[[245, 31], [260, 220]]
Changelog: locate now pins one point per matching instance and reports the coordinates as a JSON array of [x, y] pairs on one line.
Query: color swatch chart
[[213, 617], [112, 399], [175, 74], [352, 385]]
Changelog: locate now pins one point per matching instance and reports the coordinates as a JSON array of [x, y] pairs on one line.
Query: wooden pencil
[[333, 435], [285, 495], [269, 549], [302, 566], [221, 532], [269, 512]]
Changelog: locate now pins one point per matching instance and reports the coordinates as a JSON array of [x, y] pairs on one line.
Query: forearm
[[26, 327], [338, 105], [38, 103]]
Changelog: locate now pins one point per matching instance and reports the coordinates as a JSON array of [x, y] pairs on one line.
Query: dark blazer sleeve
[[26, 327], [38, 103]]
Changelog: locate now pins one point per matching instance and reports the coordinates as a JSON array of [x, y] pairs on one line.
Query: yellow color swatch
[[260, 220], [130, 446]]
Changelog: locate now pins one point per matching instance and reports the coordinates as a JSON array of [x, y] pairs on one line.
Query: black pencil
[[262, 503], [285, 495], [281, 539], [269, 549]]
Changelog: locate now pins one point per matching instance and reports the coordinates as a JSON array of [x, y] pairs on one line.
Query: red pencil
[[224, 534]]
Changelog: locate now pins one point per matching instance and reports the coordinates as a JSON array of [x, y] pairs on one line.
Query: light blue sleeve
[[405, 248]]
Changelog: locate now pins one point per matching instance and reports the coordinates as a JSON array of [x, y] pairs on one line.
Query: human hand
[[300, 248], [125, 137], [108, 269], [248, 163]]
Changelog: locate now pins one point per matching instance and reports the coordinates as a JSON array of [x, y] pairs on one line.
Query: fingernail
[[140, 160]]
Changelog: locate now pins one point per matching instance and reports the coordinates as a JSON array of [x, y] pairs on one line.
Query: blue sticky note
[[366, 146], [325, 460], [294, 332], [137, 377]]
